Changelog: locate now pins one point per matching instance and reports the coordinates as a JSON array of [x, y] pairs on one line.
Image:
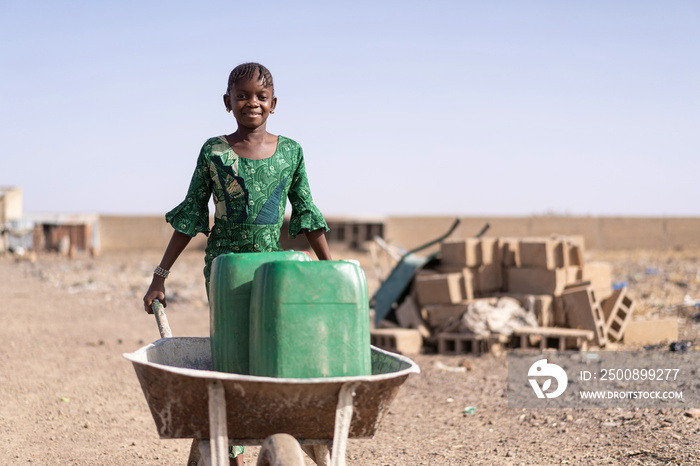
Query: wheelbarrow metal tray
[[174, 373]]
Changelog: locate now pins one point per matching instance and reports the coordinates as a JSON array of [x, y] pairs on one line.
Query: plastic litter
[[679, 346], [444, 367], [483, 318]]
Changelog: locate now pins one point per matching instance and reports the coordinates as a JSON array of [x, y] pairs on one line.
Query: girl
[[250, 174]]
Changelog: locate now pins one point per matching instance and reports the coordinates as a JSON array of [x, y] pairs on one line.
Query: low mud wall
[[119, 233], [605, 233], [602, 233]]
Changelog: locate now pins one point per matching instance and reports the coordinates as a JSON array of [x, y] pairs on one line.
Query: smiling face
[[251, 102]]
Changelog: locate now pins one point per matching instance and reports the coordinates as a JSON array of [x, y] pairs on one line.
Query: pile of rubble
[[483, 294]]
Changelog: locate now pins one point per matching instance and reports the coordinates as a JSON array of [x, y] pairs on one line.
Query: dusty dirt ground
[[68, 397]]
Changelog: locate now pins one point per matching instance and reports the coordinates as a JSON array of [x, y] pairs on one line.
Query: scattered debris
[[679, 346], [444, 367], [477, 292], [467, 364]]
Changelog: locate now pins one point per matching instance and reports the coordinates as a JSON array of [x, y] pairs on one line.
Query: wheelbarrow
[[396, 285], [286, 416]]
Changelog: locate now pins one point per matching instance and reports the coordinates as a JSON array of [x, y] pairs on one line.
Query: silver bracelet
[[161, 272]]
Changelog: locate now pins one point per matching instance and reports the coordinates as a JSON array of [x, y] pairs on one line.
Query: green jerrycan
[[229, 302], [309, 319]]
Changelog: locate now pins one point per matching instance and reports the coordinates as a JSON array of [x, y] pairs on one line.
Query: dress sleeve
[[305, 214], [192, 215]]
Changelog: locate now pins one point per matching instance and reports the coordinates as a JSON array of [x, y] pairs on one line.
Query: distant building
[[10, 214], [63, 233]]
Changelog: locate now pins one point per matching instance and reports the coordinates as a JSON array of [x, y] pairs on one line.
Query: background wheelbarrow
[[393, 289], [189, 400]]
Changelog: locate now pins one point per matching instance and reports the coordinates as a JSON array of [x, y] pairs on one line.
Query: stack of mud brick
[[542, 267], [583, 300], [573, 302], [469, 270]]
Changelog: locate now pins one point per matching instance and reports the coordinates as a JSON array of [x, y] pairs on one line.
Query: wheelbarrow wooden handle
[[161, 319], [483, 230]]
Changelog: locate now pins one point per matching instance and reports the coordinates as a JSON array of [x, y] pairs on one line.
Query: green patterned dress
[[250, 197]]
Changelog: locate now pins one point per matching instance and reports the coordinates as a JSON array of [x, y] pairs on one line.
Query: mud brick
[[490, 251], [544, 309], [461, 252], [569, 251], [439, 288], [398, 340], [544, 253], [617, 310], [650, 332], [510, 255], [532, 280], [610, 303], [575, 250], [583, 311], [489, 278], [600, 276], [559, 315], [552, 338], [574, 274], [461, 343], [468, 281], [561, 253], [543, 305]]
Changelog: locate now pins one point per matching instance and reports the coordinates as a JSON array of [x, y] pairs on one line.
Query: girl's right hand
[[155, 291]]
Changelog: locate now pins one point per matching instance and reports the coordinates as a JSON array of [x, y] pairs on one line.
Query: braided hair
[[246, 72]]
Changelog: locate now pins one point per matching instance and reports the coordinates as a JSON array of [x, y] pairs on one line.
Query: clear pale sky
[[432, 107]]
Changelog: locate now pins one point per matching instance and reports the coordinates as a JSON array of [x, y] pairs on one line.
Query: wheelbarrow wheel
[[280, 450]]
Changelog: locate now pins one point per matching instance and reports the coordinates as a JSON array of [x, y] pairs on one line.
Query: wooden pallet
[[553, 338], [460, 343]]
